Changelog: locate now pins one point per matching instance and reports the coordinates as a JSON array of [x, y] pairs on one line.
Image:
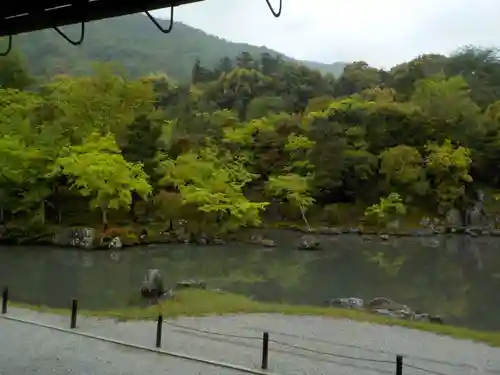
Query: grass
[[204, 303]]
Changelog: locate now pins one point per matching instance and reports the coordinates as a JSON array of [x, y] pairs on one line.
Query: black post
[[74, 311], [265, 350], [158, 331], [399, 365], [5, 300]]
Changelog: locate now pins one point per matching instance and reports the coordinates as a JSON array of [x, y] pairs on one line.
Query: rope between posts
[[333, 354], [297, 347], [211, 332], [279, 343], [423, 369], [365, 348]]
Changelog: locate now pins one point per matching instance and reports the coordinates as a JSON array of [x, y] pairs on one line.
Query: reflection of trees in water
[[389, 264], [458, 279], [446, 280], [455, 279], [39, 275], [478, 259]]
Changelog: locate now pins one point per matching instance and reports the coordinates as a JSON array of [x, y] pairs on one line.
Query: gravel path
[[299, 345], [27, 349]]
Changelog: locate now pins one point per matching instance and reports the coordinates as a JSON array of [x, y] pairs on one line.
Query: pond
[[457, 277]]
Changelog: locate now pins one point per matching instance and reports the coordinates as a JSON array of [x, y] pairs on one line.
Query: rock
[[354, 230], [475, 216], [471, 232], [381, 303], [168, 295], [193, 284], [84, 238], [182, 236], [349, 303], [420, 317], [495, 232], [256, 238], [116, 243], [384, 237], [266, 242], [386, 307], [453, 218], [456, 230], [260, 240], [439, 229], [309, 243], [144, 236], [202, 239], [425, 222], [333, 231], [218, 241], [398, 314], [152, 285]]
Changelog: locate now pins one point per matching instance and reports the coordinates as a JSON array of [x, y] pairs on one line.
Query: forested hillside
[[137, 45], [251, 140]]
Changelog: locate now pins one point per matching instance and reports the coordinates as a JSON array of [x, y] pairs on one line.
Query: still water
[[457, 277]]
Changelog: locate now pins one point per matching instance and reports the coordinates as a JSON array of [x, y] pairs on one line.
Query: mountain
[[135, 43]]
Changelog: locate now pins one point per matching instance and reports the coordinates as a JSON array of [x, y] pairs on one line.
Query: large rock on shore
[[84, 238]]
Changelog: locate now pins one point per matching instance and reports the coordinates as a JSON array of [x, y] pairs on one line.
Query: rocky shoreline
[[89, 238]]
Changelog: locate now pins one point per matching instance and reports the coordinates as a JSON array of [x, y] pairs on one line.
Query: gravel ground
[[299, 345], [27, 349]]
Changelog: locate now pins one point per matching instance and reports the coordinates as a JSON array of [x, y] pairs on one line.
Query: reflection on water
[[457, 277]]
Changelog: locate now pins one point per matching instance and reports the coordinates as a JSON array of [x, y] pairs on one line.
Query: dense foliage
[[250, 140]]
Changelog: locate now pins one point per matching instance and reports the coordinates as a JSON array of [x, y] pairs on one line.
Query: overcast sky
[[381, 32]]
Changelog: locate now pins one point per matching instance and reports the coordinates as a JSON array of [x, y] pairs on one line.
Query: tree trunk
[[105, 218], [303, 213], [42, 211]]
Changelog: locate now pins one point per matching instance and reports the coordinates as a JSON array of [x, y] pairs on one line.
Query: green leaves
[[449, 169], [212, 148], [213, 182], [389, 208], [403, 168], [105, 102], [292, 187], [97, 170]]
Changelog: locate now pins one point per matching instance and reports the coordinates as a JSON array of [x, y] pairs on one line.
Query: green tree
[[294, 189], [388, 209], [403, 170], [105, 102], [448, 99], [213, 183], [448, 167], [97, 170], [357, 77]]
